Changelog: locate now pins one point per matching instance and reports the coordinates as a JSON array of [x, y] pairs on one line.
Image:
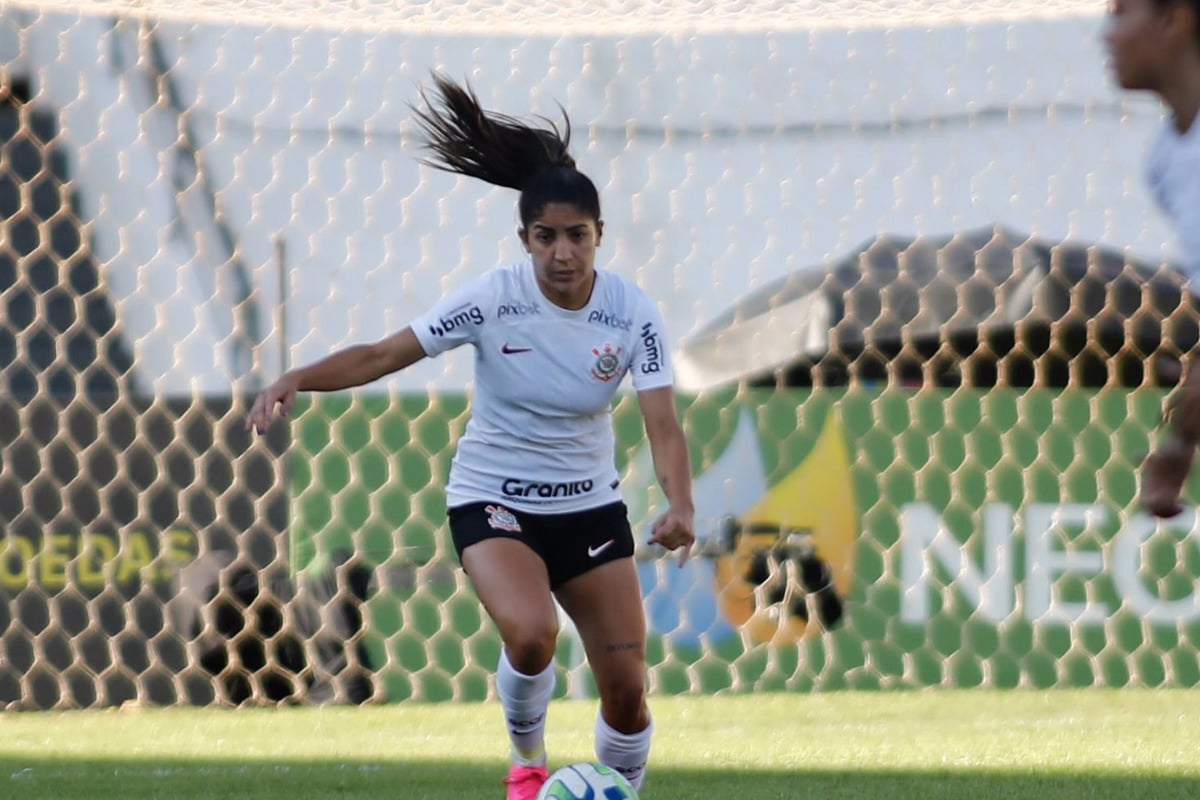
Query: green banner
[[861, 539]]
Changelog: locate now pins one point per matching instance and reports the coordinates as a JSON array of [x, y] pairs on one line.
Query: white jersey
[[540, 435], [1173, 175]]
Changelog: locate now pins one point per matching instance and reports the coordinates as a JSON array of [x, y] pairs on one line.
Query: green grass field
[[965, 745]]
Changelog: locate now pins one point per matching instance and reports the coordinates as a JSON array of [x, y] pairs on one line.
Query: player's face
[[563, 242], [1134, 35]]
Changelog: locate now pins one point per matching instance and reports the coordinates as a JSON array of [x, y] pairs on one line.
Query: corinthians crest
[[608, 362]]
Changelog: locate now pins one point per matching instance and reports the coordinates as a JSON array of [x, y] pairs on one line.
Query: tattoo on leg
[[619, 646]]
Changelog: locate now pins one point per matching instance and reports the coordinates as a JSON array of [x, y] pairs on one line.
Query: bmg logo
[[653, 362], [457, 317]]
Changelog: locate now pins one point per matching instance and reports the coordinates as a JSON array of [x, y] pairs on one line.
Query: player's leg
[[1166, 469], [512, 583], [605, 603], [606, 606]]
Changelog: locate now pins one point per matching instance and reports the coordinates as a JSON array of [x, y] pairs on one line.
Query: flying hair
[[496, 148]]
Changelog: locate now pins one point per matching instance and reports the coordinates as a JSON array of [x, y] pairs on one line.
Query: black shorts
[[570, 544]]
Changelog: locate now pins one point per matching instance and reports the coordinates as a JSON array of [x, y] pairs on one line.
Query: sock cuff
[[629, 740], [540, 684]]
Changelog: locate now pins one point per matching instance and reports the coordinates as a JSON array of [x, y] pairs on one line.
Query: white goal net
[[920, 307]]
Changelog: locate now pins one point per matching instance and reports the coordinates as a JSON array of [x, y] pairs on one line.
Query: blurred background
[[922, 313]]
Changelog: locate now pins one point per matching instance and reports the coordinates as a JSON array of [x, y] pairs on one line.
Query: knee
[[623, 705], [530, 646]]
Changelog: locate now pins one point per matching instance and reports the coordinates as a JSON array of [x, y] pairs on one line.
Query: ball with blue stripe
[[587, 782]]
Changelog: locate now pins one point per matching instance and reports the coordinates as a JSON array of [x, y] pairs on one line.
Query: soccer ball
[[587, 782]]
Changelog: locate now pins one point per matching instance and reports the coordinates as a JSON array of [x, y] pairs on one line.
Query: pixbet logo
[[517, 309], [457, 317], [610, 320], [653, 362]]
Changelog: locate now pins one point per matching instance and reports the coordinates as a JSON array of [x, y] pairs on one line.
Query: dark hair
[[1194, 4], [504, 151]]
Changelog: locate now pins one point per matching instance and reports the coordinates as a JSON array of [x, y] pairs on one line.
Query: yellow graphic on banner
[[790, 558]]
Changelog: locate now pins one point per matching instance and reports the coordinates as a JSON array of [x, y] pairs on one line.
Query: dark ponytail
[[503, 151]]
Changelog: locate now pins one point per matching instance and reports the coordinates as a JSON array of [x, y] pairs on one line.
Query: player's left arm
[[653, 380], [676, 529]]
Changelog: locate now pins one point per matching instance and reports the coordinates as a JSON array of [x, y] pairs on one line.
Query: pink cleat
[[523, 782]]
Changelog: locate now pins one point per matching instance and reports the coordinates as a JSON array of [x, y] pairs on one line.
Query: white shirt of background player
[[1173, 176]]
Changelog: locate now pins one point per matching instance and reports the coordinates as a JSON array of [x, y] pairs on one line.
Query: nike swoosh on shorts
[[598, 549]]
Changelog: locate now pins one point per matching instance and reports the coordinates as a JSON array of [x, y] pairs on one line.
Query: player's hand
[[281, 393], [1163, 476], [675, 530]]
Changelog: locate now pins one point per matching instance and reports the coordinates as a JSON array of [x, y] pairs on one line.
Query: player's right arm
[[345, 369]]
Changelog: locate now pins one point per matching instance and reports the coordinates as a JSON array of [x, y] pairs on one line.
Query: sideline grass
[[973, 745]]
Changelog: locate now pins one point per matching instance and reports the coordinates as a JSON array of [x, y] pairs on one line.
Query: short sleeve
[[456, 319], [1187, 232], [1173, 177], [1189, 258], [650, 366]]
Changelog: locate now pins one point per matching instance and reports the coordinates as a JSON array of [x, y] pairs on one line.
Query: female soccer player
[[534, 507], [1155, 46]]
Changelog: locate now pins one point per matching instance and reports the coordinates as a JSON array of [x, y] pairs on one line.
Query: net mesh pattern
[[921, 314]]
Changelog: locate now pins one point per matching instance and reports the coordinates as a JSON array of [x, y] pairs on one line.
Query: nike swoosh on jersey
[[598, 549], [508, 349]]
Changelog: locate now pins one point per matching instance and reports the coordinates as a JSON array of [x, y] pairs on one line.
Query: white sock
[[626, 753], [525, 700]]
